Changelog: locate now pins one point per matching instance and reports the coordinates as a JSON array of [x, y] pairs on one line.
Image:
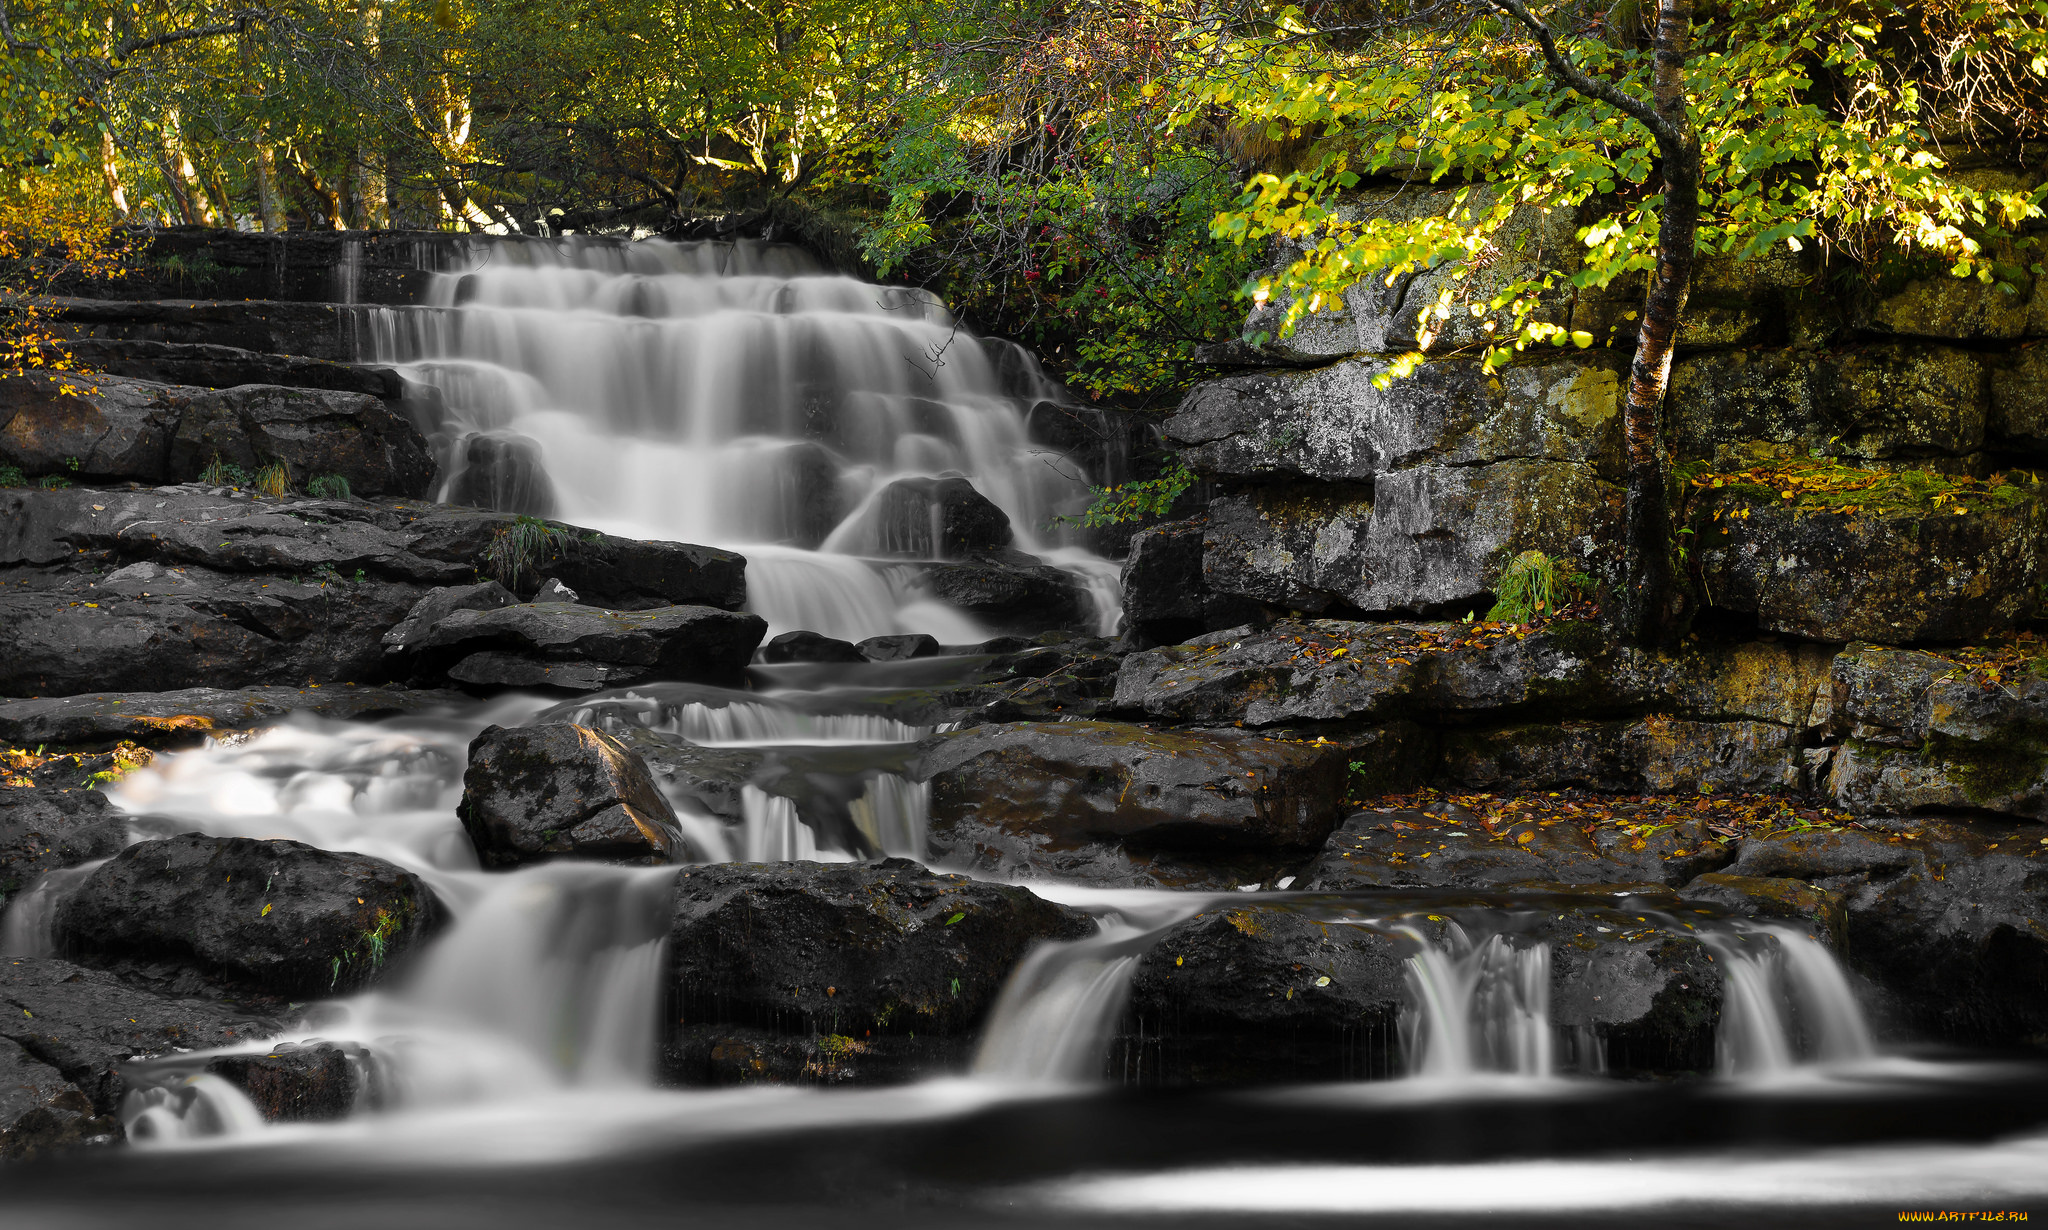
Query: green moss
[[1991, 771]]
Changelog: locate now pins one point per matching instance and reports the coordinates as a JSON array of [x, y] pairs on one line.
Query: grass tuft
[[1534, 585]]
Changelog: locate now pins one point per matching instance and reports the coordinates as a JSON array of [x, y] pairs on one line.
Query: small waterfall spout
[[1785, 1002], [1477, 1006], [1052, 1024], [29, 926]]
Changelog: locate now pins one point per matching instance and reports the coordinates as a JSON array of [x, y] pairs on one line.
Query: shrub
[[54, 482], [328, 487], [522, 546], [11, 476], [1533, 585], [220, 473]]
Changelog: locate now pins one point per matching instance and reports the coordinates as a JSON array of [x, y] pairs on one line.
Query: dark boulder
[[810, 647], [40, 1111], [1939, 573], [585, 648], [47, 828], [1944, 916], [439, 604], [626, 574], [297, 1082], [1166, 598], [276, 918], [1445, 846], [118, 428], [850, 951], [936, 518], [900, 647], [1106, 800], [503, 471], [1013, 592], [535, 793], [1771, 897], [314, 330], [91, 1027]]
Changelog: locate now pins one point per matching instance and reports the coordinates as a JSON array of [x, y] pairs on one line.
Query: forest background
[[1105, 180]]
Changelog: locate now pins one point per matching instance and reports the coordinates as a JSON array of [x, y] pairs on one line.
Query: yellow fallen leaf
[[265, 913]]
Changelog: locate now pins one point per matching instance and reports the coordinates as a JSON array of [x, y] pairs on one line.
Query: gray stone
[[695, 643], [1332, 425], [552, 791], [428, 612], [192, 715], [1166, 596]]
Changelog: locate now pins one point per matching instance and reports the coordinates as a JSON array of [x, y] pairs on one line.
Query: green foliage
[[220, 473], [1814, 121], [11, 476], [521, 547], [328, 487], [53, 482], [274, 480], [1136, 501], [1535, 585]]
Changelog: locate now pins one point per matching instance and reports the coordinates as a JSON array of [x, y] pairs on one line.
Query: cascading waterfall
[[1477, 1006], [29, 927], [1785, 1001], [736, 395]]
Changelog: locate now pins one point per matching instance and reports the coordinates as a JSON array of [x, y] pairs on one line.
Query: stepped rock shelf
[[292, 776]]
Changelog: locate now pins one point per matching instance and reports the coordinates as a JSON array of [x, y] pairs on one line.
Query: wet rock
[[295, 1082], [276, 918], [225, 367], [1887, 576], [1102, 441], [314, 330], [1772, 897], [91, 1027], [47, 828], [712, 777], [1657, 754], [1422, 539], [40, 1111], [876, 950], [937, 518], [165, 629], [117, 428], [1328, 670], [536, 793], [503, 471], [1333, 425], [1315, 988], [2019, 397], [901, 647], [192, 715], [440, 603], [810, 647], [1448, 847], [1887, 401], [1926, 735], [555, 591], [1013, 592], [1166, 596], [1106, 800], [582, 647], [424, 544], [1945, 917], [743, 1055]]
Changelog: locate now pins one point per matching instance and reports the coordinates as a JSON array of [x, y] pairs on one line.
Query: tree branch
[[1667, 134]]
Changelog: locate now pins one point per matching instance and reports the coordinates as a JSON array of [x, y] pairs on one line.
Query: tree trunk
[[181, 176], [329, 200], [269, 205], [1652, 604], [110, 171], [369, 206]]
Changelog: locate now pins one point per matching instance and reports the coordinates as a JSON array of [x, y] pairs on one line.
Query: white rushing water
[[734, 394], [1785, 1001]]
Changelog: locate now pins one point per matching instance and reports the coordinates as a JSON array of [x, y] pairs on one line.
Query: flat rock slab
[[689, 643], [116, 427], [189, 715], [1445, 846], [1938, 574], [1037, 796], [275, 918], [850, 949], [534, 793], [426, 544], [224, 367], [90, 1026], [1323, 670], [40, 1111]]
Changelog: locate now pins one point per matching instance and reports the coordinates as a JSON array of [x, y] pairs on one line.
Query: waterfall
[[1477, 1006], [1785, 1001], [1052, 1023], [28, 928], [735, 394]]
